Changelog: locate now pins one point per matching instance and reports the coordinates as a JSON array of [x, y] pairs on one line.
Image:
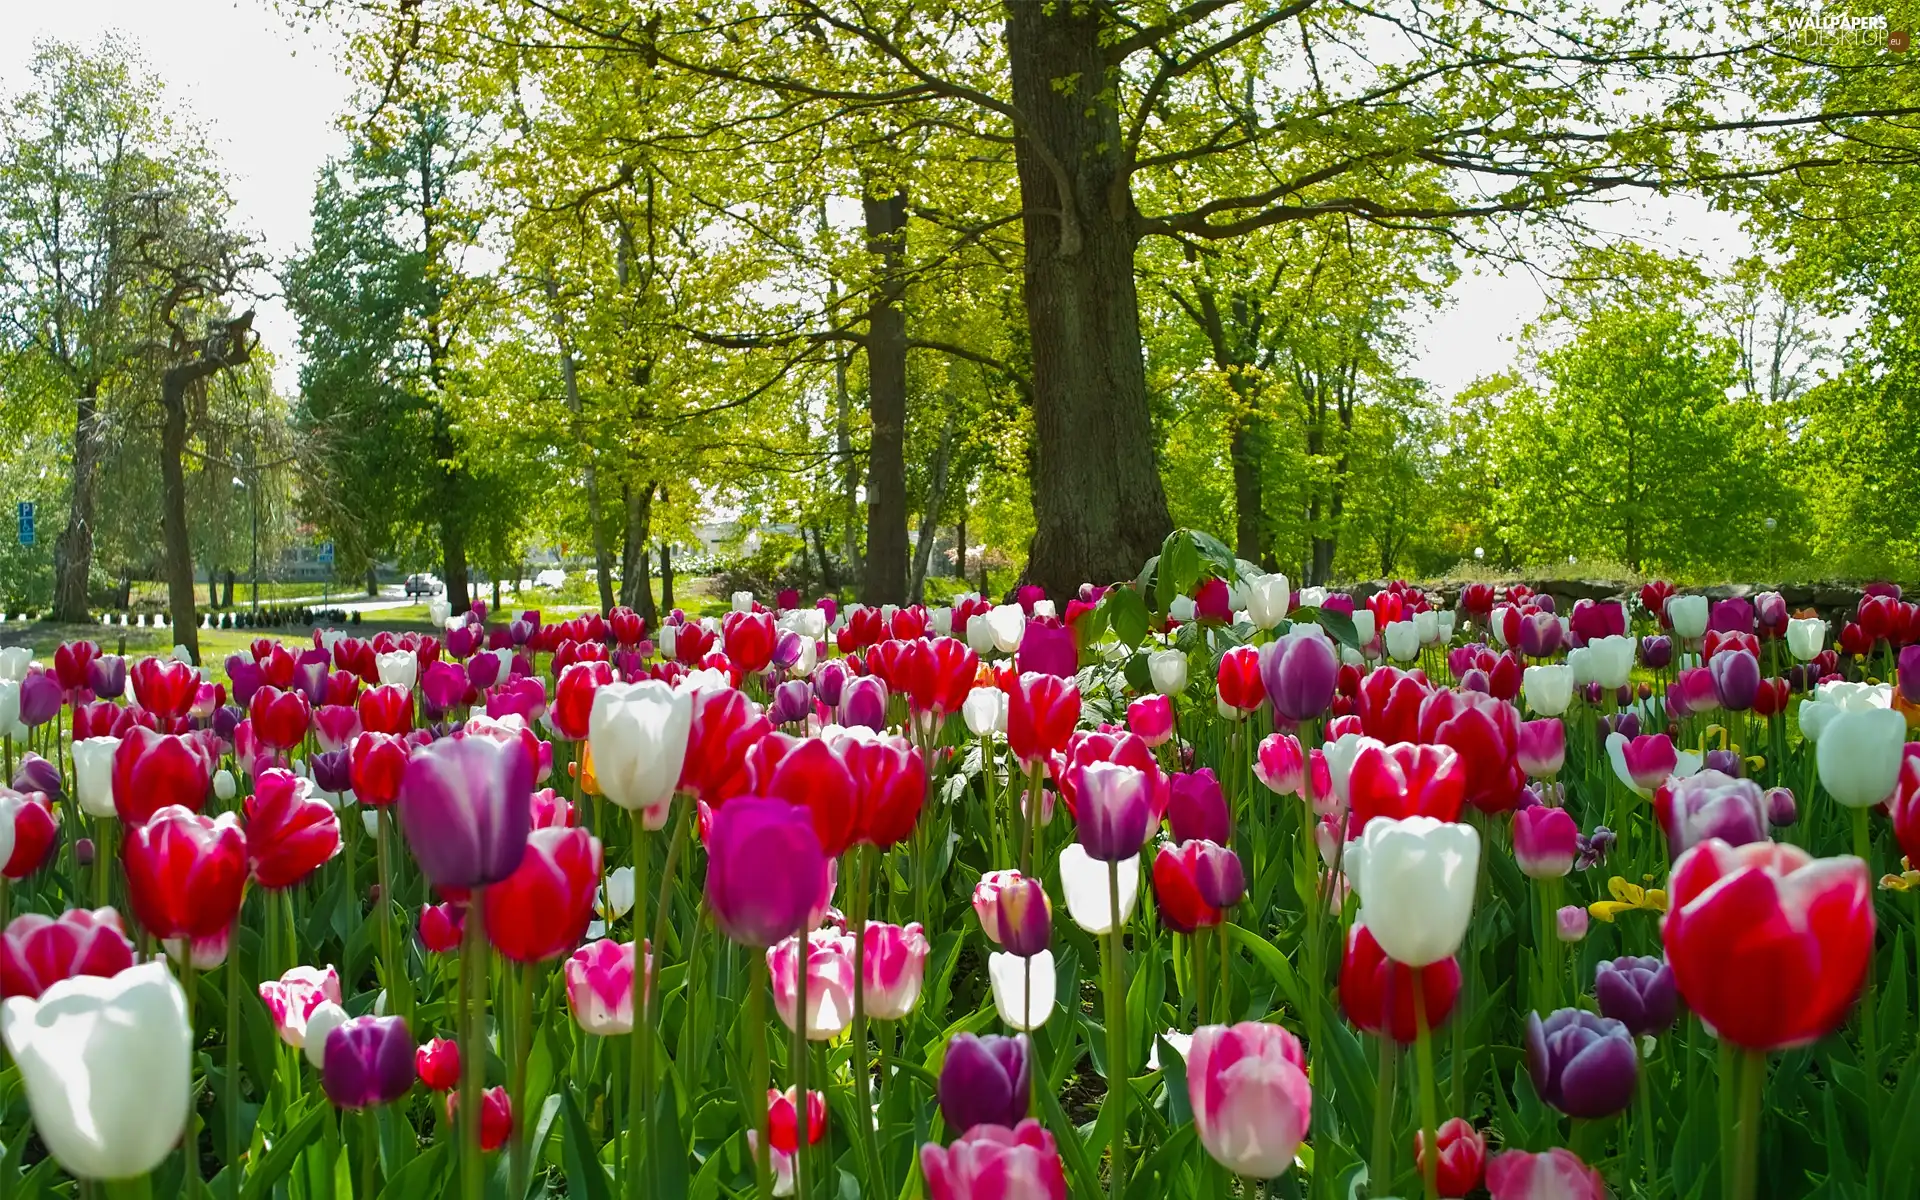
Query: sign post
[[25, 515]]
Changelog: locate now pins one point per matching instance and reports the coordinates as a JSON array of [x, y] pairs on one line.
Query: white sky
[[268, 94]]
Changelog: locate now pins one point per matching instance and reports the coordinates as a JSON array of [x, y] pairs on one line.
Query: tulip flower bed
[[1195, 886]]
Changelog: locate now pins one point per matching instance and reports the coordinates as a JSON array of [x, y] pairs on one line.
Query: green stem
[[862, 1080], [522, 1048], [392, 966], [797, 1065], [1380, 1162], [1869, 1028], [1730, 1079], [1423, 1049], [230, 1085], [757, 1069], [1746, 1167], [1117, 1073], [1646, 1127], [473, 1044], [639, 1129]]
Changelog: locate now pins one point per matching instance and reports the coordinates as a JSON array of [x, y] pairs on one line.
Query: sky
[[268, 94]]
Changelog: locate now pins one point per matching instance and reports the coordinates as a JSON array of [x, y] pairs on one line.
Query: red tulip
[[1463, 1157], [186, 873], [343, 687], [1406, 780], [628, 628], [541, 911], [280, 719], [166, 687], [1126, 749], [749, 638], [1768, 944], [1503, 681], [1041, 713], [496, 1117], [38, 951], [1486, 733], [1239, 679], [70, 663], [808, 773], [1175, 885], [889, 786], [726, 726], [1389, 704], [152, 771], [34, 831], [376, 764], [442, 926], [573, 697], [1771, 699], [290, 830], [939, 674], [1377, 993], [1905, 803], [1654, 597], [386, 709], [437, 1063]]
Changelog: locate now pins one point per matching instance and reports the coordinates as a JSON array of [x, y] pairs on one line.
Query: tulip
[[1014, 909], [1831, 699], [107, 676], [1638, 992], [1402, 780], [1176, 883], [1280, 765], [1710, 805], [280, 719], [749, 639], [1023, 988], [1268, 600], [1299, 671], [1042, 711], [152, 771], [1644, 763], [765, 870], [1745, 920], [1583, 1065], [1736, 679], [783, 1133], [441, 927], [830, 982], [1688, 617], [1199, 808], [1463, 1156], [1238, 679], [496, 1117], [291, 999], [386, 709], [37, 951], [599, 977], [1377, 993], [1114, 810], [1085, 881], [1048, 649], [107, 1067], [368, 1061], [985, 711], [541, 911], [638, 735], [1732, 615], [895, 961], [1806, 637], [864, 702], [1247, 1085], [464, 805], [1557, 1174], [1218, 876], [1416, 879], [164, 687], [400, 669], [376, 765], [985, 1081], [1859, 754], [792, 702], [186, 873], [1549, 689], [1151, 719], [437, 1062], [1168, 671], [1541, 748], [93, 774], [888, 786], [1544, 842], [992, 1162], [290, 829]]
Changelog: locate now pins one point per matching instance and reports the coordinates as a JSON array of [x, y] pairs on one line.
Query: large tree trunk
[[886, 577], [177, 546], [636, 574], [826, 564], [453, 559], [1099, 509], [570, 377], [73, 549], [930, 512], [1248, 500], [849, 469], [666, 576]]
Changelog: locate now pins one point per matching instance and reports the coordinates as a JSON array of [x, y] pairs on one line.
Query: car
[[422, 583]]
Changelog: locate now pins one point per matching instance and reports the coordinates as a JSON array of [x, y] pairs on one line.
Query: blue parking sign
[[26, 522]]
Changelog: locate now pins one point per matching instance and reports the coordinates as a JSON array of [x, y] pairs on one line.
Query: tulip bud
[[1022, 918], [1023, 988], [1151, 719], [1247, 1085], [1280, 765], [1570, 923], [599, 978], [1583, 1065], [830, 982], [496, 1117], [895, 962], [437, 1062], [985, 1081], [1463, 1157], [1638, 992], [1544, 842]]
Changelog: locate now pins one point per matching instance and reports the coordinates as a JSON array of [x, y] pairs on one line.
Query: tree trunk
[[453, 559], [570, 377], [886, 576], [1099, 508], [930, 512], [826, 564], [73, 549], [849, 470], [960, 542], [173, 503], [1248, 500], [373, 579], [636, 575], [226, 591], [666, 576]]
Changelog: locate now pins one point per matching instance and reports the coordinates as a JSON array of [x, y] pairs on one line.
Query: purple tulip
[[1476, 680], [40, 698], [520, 630], [786, 650], [1693, 691], [244, 678], [83, 852], [36, 774], [1781, 809], [1541, 635], [443, 686], [1594, 848], [985, 1081], [1710, 804], [483, 671], [792, 701], [1339, 602], [830, 682], [1597, 619], [1219, 876], [225, 720], [331, 772], [1545, 602], [1023, 917], [368, 1061], [1115, 812], [1583, 1065], [1909, 674], [1299, 671], [1656, 651], [1627, 724], [864, 702], [1198, 809], [1047, 649], [1770, 610], [310, 674], [1637, 991], [479, 610], [1736, 678], [1732, 615], [1727, 762], [766, 872], [107, 676], [465, 805], [465, 638]]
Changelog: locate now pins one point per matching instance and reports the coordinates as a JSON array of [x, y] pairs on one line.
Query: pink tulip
[[992, 1162], [1281, 765], [1251, 1101], [291, 999], [1544, 841], [1150, 718], [600, 986], [829, 982], [1542, 747], [896, 961], [1558, 1174], [1642, 763]]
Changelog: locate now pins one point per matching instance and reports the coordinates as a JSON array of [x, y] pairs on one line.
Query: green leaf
[[1086, 1180], [586, 1178], [422, 1176], [287, 1148], [1339, 627], [1126, 614]]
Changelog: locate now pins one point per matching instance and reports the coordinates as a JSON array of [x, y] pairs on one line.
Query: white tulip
[[10, 725], [1612, 660], [1426, 625], [1549, 689], [809, 655], [637, 733], [1181, 609], [1444, 621], [705, 679], [439, 612], [1168, 671], [617, 894], [321, 1022], [1580, 662], [1688, 615], [1008, 622], [370, 821], [93, 775], [1312, 597], [980, 634], [107, 1065], [1084, 880], [1859, 755], [14, 661], [1497, 624], [1340, 754], [743, 602], [1416, 879], [224, 784], [1806, 638], [1365, 626], [666, 638], [1267, 597], [399, 668], [940, 621], [1351, 657], [1402, 641], [985, 711], [1023, 988], [1045, 608], [1829, 700]]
